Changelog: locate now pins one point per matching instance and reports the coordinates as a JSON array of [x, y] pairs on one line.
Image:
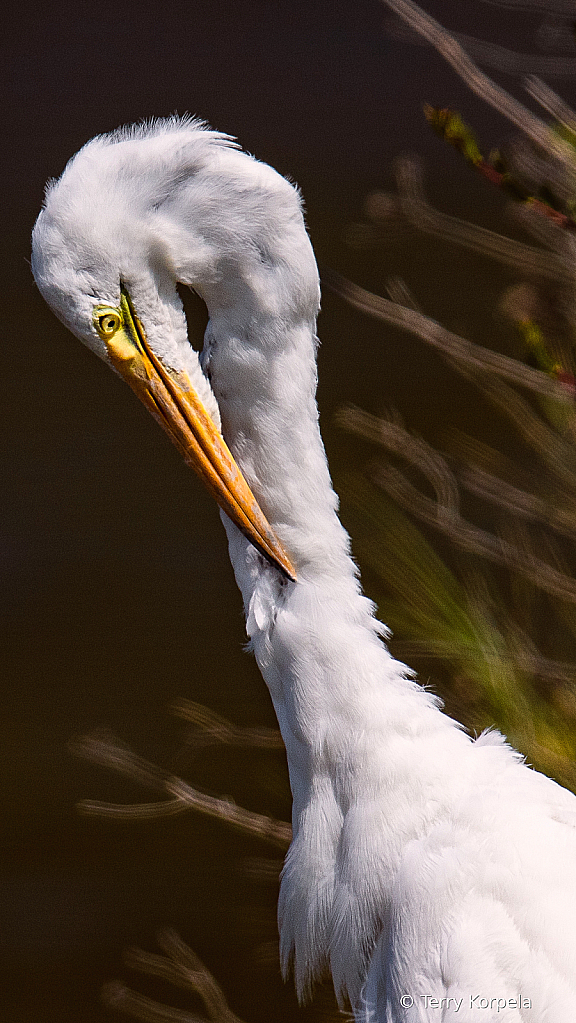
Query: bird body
[[432, 875]]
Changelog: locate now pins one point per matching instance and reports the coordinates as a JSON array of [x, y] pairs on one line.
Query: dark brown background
[[116, 594]]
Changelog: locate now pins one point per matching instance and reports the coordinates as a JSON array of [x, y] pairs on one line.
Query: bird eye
[[107, 321]]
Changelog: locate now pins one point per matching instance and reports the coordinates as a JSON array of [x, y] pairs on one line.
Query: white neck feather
[[342, 701]]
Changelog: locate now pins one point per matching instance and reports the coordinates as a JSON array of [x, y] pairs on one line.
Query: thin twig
[[443, 512], [564, 8], [184, 969], [102, 747], [398, 291], [518, 502], [396, 439], [133, 811], [477, 81], [473, 539], [526, 259], [513, 63], [277, 832], [550, 446], [218, 730], [120, 997], [452, 345], [492, 55], [550, 102], [118, 757]]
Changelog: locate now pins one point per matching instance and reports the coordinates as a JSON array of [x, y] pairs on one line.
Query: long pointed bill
[[174, 403]]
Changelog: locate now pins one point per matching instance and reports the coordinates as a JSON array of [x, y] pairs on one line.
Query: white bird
[[434, 876]]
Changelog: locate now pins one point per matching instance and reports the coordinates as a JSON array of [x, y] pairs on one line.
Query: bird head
[[134, 213]]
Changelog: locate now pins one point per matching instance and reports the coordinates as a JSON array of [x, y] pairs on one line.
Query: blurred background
[[117, 597]]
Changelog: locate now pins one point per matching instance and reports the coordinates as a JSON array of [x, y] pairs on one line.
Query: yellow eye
[[107, 320]]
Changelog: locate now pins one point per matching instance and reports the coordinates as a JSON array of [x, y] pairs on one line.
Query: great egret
[[433, 875]]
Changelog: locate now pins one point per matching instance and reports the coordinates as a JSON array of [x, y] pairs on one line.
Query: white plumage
[[433, 875]]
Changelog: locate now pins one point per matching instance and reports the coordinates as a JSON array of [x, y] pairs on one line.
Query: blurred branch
[[180, 967], [513, 63], [473, 539], [449, 126], [104, 749], [443, 513], [526, 259], [555, 452], [477, 81], [551, 102], [457, 348], [399, 292], [518, 502], [396, 439], [217, 730], [478, 628], [277, 832], [493, 55], [560, 7]]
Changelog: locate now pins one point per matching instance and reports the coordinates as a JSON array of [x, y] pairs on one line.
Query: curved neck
[[277, 443], [345, 707], [260, 356]]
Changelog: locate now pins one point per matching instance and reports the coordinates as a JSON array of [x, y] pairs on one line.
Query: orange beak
[[174, 403]]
